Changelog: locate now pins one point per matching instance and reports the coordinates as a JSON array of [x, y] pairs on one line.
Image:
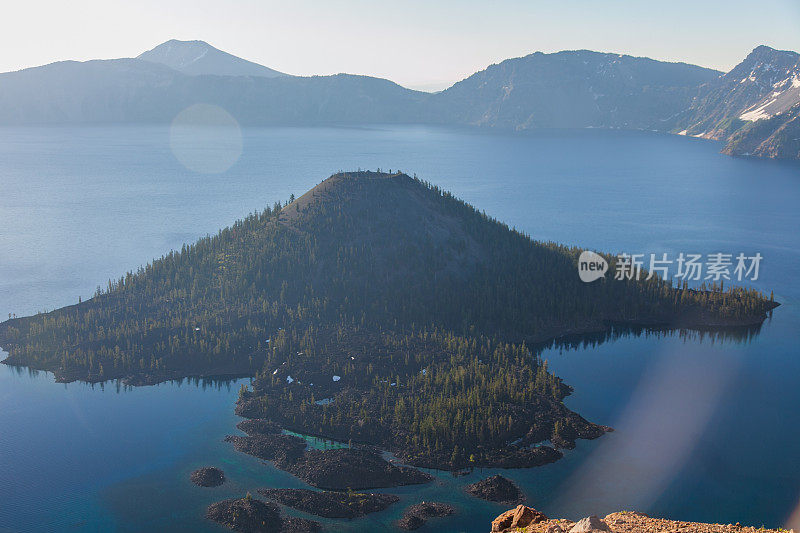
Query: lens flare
[[206, 139]]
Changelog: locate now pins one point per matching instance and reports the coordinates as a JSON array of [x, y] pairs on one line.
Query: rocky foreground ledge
[[524, 519]]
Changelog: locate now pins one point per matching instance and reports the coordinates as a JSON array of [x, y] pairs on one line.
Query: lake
[[705, 429]]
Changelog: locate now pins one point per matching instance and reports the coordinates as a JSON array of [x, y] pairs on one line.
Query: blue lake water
[[706, 430]]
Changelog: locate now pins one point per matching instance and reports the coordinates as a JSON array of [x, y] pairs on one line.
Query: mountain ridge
[[579, 88], [567, 89], [136, 91], [765, 84]]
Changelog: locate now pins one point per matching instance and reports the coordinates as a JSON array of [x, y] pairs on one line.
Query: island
[[208, 476], [377, 310], [417, 515], [496, 489], [330, 504], [250, 515]]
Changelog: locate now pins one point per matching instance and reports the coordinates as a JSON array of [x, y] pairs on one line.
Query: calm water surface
[[706, 430]]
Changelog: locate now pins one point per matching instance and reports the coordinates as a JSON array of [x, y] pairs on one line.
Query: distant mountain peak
[[763, 49], [750, 104], [773, 79], [181, 51], [766, 58], [188, 41], [198, 58]]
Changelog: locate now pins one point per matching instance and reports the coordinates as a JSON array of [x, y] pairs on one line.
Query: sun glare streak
[[794, 520], [655, 435]]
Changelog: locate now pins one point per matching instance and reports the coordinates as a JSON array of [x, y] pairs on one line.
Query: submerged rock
[[496, 489], [208, 476]]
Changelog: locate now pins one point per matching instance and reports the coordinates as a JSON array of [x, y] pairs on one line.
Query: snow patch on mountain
[[757, 113]]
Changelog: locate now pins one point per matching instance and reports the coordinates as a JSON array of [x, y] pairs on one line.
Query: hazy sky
[[421, 44]]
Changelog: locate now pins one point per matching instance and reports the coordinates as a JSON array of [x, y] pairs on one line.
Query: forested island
[[377, 310]]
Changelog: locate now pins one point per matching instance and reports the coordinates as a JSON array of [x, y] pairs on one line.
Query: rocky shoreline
[[353, 469], [549, 335], [337, 470], [524, 519]]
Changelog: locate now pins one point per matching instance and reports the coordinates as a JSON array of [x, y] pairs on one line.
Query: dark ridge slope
[[139, 91], [373, 249], [574, 89], [777, 137]]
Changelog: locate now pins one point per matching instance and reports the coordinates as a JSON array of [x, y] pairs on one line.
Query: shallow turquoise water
[[705, 430]]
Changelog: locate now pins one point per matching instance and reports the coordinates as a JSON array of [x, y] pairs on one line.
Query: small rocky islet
[[496, 489], [251, 515], [208, 476], [417, 515]]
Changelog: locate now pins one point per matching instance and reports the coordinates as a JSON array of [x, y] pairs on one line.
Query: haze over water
[[705, 430]]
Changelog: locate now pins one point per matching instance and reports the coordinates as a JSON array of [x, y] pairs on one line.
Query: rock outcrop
[[590, 524], [517, 518], [622, 522]]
